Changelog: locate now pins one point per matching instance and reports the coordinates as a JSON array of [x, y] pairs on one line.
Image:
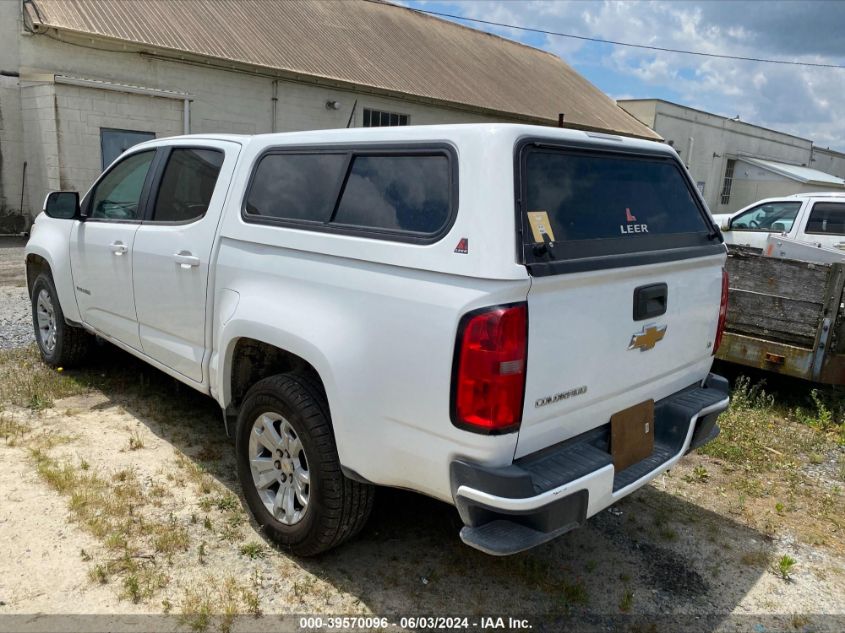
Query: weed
[[754, 559], [627, 601], [85, 556], [166, 606], [668, 534], [699, 475], [84, 465], [201, 553], [132, 588], [98, 574], [206, 523], [226, 502], [573, 594], [11, 429], [784, 566], [815, 458], [136, 442], [253, 550]]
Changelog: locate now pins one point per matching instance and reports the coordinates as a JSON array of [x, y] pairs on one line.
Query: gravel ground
[[15, 318]]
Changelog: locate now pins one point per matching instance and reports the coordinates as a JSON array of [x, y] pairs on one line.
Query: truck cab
[[813, 218]]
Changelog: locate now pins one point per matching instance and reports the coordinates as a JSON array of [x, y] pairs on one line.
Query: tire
[[68, 345], [337, 507]]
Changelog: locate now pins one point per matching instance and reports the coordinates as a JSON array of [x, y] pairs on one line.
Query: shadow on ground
[[654, 553]]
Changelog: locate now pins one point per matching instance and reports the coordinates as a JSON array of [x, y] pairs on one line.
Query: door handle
[[185, 259], [118, 248], [840, 245]]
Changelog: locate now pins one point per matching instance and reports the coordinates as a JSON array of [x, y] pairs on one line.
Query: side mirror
[[726, 225], [62, 205]]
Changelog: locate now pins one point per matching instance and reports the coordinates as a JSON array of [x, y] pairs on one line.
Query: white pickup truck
[[812, 218], [516, 320]]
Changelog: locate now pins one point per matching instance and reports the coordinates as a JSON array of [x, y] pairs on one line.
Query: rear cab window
[[584, 209], [400, 194]]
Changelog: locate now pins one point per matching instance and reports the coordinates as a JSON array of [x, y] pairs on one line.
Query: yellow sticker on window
[[540, 226]]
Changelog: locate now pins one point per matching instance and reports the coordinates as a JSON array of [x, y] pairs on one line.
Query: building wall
[[11, 127], [59, 125], [705, 142], [752, 183], [829, 161]]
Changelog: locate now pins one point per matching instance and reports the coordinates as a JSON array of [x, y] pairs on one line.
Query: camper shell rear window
[[582, 209]]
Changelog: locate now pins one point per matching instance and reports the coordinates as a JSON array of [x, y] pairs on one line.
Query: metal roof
[[380, 46], [794, 172]]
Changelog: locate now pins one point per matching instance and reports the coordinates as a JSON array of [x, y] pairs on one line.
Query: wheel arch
[[252, 353]]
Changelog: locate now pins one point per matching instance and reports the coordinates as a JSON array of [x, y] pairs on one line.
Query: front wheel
[[289, 468], [60, 344]]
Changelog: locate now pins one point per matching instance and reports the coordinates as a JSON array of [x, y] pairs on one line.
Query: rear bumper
[[541, 496]]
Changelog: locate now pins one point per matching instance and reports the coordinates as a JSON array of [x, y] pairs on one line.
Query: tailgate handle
[[650, 301]]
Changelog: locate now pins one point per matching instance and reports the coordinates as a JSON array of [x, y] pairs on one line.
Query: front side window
[[595, 204], [770, 217], [367, 191], [827, 218], [187, 184], [118, 195]]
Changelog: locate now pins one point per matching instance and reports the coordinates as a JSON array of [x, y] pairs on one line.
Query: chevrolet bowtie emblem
[[648, 338]]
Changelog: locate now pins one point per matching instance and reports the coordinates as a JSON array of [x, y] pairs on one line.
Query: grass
[[253, 550], [218, 601], [25, 381]]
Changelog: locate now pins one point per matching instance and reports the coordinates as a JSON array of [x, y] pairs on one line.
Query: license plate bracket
[[632, 434]]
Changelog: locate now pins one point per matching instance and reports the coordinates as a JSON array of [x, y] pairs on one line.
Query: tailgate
[[627, 281], [588, 358]]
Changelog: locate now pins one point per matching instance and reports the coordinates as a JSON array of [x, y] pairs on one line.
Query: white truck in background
[[517, 320], [813, 218]]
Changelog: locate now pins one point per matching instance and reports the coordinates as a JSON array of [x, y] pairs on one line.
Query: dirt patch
[[12, 269]]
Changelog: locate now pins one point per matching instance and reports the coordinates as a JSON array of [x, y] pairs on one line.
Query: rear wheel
[[289, 468], [60, 344]]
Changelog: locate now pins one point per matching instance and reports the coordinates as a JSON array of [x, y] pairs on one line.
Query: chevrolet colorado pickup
[[516, 320]]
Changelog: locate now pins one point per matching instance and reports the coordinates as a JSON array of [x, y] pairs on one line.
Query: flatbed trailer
[[785, 316]]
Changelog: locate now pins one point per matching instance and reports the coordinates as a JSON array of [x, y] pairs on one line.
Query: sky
[[807, 102]]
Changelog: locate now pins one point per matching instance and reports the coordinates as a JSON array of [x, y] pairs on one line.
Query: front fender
[[50, 240]]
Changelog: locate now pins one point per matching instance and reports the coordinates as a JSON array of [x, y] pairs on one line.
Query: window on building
[[187, 184], [398, 193], [296, 186], [827, 218], [114, 142], [729, 177], [377, 118]]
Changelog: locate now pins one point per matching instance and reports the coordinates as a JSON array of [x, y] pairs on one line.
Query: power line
[[615, 43]]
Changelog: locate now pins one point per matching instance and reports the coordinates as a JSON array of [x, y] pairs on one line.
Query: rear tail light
[[723, 312], [488, 382]]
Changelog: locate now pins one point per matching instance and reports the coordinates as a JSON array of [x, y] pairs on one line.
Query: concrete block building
[[81, 81], [735, 163]]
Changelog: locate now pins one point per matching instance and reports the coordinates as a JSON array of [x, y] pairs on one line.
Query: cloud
[[808, 102]]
